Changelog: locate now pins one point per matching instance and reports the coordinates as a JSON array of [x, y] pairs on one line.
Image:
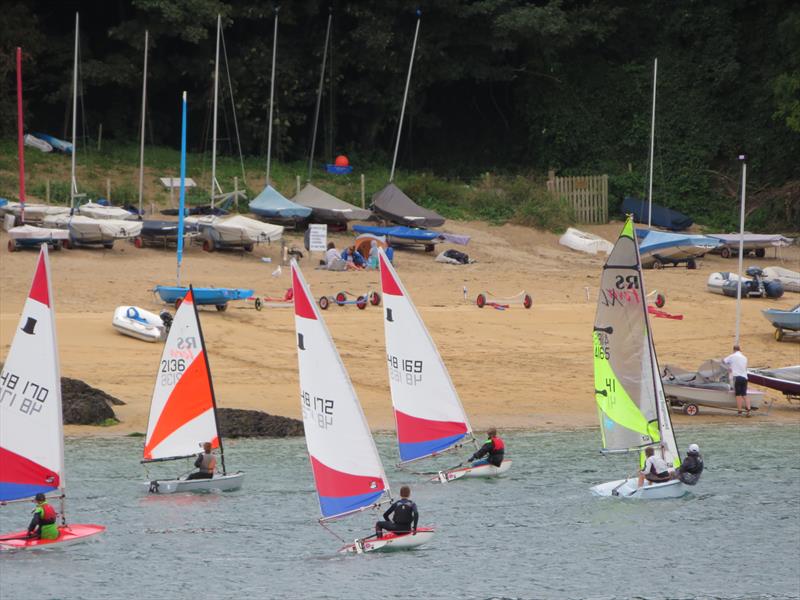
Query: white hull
[[718, 397], [389, 542], [486, 470], [627, 488], [148, 327], [222, 483]]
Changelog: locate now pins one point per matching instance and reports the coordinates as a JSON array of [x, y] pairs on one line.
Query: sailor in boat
[[405, 515], [737, 364], [206, 463], [691, 467], [43, 524], [494, 449], [656, 469]]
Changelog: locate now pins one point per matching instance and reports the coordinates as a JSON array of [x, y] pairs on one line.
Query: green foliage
[[536, 207], [110, 422]]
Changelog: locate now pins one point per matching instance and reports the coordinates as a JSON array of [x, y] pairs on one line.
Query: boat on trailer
[[31, 424], [348, 472], [183, 409], [786, 380], [428, 413], [629, 395], [709, 386]]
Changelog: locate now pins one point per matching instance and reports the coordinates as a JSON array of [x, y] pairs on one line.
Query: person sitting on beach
[[43, 524], [405, 515], [691, 467], [655, 468], [494, 448], [353, 257], [206, 463]]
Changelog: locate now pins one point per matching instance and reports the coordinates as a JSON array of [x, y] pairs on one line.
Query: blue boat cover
[[56, 143], [662, 216], [337, 170], [399, 231], [270, 204], [651, 241]]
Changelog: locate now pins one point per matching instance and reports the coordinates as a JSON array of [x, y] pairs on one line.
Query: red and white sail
[[182, 414], [428, 412], [31, 429], [348, 472]]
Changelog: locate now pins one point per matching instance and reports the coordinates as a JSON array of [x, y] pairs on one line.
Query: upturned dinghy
[[630, 398], [428, 412], [348, 471], [31, 426], [183, 410]]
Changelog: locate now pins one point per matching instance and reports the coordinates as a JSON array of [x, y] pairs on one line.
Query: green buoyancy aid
[[48, 527]]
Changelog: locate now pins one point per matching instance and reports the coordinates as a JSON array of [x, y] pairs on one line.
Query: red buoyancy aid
[[498, 444], [48, 513]]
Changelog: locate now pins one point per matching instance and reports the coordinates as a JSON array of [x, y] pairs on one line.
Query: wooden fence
[[588, 196]]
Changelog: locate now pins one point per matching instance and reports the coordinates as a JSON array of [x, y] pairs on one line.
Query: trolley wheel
[[178, 303], [12, 246], [374, 298], [324, 302], [429, 247], [258, 303], [480, 300], [249, 247], [341, 298], [527, 301], [661, 300], [221, 307], [208, 245], [725, 252], [56, 245], [778, 334], [691, 409], [657, 264], [138, 242], [361, 302], [761, 252], [691, 264]]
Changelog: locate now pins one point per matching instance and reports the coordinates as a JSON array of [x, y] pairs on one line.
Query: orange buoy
[[341, 161]]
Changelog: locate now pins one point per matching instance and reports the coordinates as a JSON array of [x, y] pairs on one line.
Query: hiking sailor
[[493, 448], [405, 515], [656, 469], [691, 467], [206, 463], [43, 524]]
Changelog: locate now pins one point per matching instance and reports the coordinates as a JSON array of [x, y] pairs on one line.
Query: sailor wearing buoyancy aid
[[405, 515], [44, 519], [206, 463], [692, 466], [494, 447]]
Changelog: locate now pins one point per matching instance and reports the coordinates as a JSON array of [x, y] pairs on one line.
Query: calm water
[[538, 533]]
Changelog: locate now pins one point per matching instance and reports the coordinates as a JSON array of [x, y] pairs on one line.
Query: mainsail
[[630, 397], [183, 408], [348, 472], [31, 429], [428, 412]]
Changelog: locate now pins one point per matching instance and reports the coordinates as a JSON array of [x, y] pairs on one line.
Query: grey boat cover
[[327, 207], [392, 204], [752, 239]]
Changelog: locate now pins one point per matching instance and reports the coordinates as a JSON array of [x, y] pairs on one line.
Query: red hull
[[68, 534]]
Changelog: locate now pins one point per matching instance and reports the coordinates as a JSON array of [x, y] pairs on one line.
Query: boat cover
[[35, 212], [99, 211], [271, 204], [56, 143], [87, 229], [327, 207], [34, 142], [790, 279], [392, 204], [585, 242], [238, 228], [657, 241], [752, 240], [157, 228], [29, 232], [662, 216], [401, 232]]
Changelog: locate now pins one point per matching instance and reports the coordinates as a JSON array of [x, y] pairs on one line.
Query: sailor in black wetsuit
[[691, 467], [494, 449], [405, 515]]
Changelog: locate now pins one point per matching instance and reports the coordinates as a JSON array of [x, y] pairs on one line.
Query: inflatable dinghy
[[140, 323]]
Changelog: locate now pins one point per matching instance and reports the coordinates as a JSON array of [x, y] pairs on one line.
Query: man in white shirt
[[737, 365], [656, 469]]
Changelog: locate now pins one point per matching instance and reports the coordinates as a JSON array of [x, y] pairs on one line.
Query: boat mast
[[141, 143], [73, 188], [214, 136], [20, 140], [743, 159], [210, 382], [272, 93], [183, 187], [405, 96], [652, 144], [319, 94]]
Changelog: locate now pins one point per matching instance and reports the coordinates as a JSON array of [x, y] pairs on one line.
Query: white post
[[405, 97], [214, 135], [272, 93], [47, 190], [363, 192], [236, 192], [319, 95], [297, 184], [73, 186], [742, 158], [652, 144], [108, 189], [141, 142], [99, 137]]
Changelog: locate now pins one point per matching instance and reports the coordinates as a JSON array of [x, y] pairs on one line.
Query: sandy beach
[[514, 369]]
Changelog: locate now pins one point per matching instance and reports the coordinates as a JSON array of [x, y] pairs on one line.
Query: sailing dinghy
[[183, 410], [31, 426], [428, 412], [348, 471], [628, 391]]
